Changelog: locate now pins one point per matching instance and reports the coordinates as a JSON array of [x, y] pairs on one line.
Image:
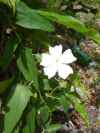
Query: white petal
[[67, 57], [46, 60], [50, 71], [64, 71], [56, 51]]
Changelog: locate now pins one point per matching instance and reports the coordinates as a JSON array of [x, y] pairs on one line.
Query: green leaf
[[83, 91], [17, 130], [11, 3], [64, 102], [9, 51], [73, 23], [52, 102], [53, 127], [94, 35], [26, 64], [16, 106], [43, 115], [46, 84], [30, 122], [29, 18], [4, 85], [79, 107], [66, 20]]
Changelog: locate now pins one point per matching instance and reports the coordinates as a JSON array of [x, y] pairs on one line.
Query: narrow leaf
[[10, 48], [30, 122], [26, 64], [10, 3], [79, 107]]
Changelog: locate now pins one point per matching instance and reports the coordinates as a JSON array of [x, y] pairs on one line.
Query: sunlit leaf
[[73, 23], [29, 18], [66, 20], [16, 105]]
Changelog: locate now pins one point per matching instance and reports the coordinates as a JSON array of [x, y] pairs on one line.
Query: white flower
[[57, 62]]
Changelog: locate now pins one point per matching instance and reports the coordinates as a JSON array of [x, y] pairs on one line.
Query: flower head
[[57, 62]]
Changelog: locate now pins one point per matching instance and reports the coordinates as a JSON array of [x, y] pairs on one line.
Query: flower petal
[[46, 60], [67, 57], [64, 71], [50, 71], [56, 51]]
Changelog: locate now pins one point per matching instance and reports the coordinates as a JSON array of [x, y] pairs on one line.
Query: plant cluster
[[39, 38]]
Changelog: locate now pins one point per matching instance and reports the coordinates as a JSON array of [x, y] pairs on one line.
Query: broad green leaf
[[53, 128], [73, 23], [5, 84], [79, 107], [26, 64], [9, 51], [66, 20], [16, 106], [30, 122], [29, 18]]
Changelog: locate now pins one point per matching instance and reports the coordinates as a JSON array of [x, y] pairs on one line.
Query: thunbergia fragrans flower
[[57, 62]]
